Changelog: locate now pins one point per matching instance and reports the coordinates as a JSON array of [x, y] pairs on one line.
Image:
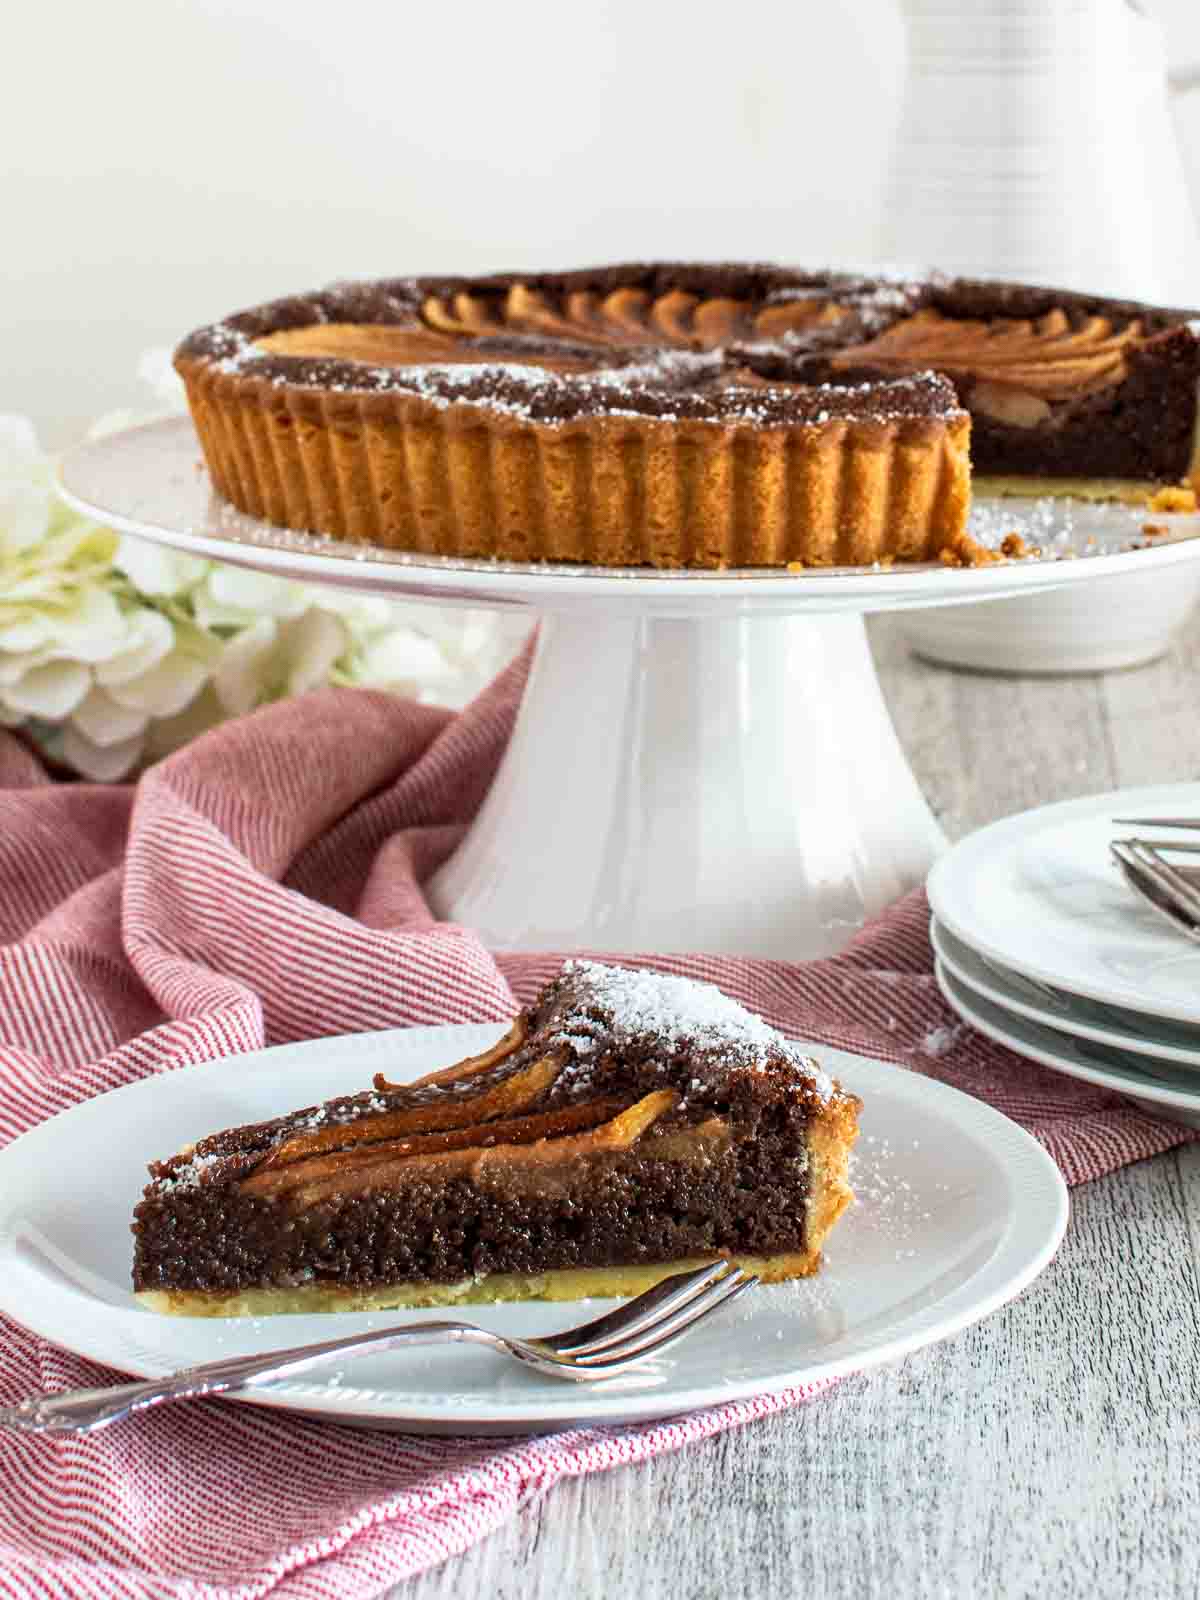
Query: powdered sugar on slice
[[191, 1175], [675, 1012]]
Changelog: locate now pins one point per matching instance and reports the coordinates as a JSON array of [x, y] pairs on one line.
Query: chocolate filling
[[756, 344], [725, 1168], [606, 1211]]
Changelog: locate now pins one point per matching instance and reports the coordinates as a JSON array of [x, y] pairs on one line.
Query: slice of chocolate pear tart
[[627, 1125]]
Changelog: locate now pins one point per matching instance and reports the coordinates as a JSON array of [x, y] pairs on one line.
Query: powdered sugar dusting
[[191, 1175], [941, 1040], [675, 1012]]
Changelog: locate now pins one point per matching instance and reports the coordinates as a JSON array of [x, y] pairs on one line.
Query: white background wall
[[165, 161]]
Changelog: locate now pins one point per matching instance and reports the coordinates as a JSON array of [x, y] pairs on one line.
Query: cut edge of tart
[[688, 415], [627, 1126]]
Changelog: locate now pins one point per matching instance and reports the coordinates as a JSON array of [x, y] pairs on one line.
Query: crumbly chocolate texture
[[659, 389], [399, 301], [611, 1210], [1141, 428], [619, 1036], [649, 381]]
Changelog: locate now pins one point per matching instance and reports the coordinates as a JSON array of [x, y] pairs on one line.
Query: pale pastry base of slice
[[576, 1283]]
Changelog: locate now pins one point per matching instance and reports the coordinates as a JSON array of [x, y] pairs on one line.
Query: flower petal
[[155, 570], [209, 614], [24, 630], [312, 645], [37, 588], [15, 666], [165, 688], [91, 627], [171, 733], [51, 691], [257, 594], [73, 550], [149, 638], [366, 613], [20, 453], [244, 665], [156, 367], [402, 660], [25, 514], [102, 763], [102, 720]]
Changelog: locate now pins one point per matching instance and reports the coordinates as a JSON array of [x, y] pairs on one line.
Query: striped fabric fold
[[263, 885]]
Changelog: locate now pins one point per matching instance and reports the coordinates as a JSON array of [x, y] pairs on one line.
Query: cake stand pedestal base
[[729, 785]]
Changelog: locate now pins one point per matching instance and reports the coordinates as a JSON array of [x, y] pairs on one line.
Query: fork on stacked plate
[[1168, 889], [1077, 944]]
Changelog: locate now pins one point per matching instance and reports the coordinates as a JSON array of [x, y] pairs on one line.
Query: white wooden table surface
[[1052, 1450]]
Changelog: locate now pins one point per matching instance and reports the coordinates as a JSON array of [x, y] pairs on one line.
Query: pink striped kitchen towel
[[264, 885]]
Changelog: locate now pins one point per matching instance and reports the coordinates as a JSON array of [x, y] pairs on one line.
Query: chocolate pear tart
[[680, 415], [627, 1125]]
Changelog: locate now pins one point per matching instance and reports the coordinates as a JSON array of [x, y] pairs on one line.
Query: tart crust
[[401, 471], [575, 1283]]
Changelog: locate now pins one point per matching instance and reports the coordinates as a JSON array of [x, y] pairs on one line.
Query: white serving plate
[[1039, 893], [1136, 1031], [150, 481], [958, 1210], [1160, 1087]]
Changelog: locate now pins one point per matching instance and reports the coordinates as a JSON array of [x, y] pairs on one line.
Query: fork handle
[[85, 1410]]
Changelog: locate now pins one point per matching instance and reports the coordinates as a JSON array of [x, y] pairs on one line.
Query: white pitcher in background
[[1036, 143]]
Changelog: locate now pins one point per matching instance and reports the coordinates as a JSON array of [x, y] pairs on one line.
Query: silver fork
[[1162, 886], [609, 1345], [1157, 822]]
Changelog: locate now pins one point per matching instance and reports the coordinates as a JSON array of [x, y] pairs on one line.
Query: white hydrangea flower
[[232, 597], [149, 637], [156, 369], [105, 721], [438, 657], [26, 486], [102, 763], [153, 569], [50, 691], [114, 651], [275, 657]]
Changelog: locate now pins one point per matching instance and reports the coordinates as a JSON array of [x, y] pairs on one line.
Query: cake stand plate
[[703, 760]]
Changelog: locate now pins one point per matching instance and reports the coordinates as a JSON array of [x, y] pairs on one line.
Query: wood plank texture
[[1052, 1450]]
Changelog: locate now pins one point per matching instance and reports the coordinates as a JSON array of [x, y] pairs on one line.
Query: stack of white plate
[[1042, 946]]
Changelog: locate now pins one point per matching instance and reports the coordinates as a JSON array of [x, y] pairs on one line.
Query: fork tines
[[1157, 822], [650, 1323], [1161, 885]]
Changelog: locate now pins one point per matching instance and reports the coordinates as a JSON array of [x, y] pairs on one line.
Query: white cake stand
[[703, 761]]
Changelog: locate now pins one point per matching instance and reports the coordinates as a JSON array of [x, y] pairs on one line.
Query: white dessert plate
[[958, 1210], [1158, 1087], [1039, 893], [1136, 1031]]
